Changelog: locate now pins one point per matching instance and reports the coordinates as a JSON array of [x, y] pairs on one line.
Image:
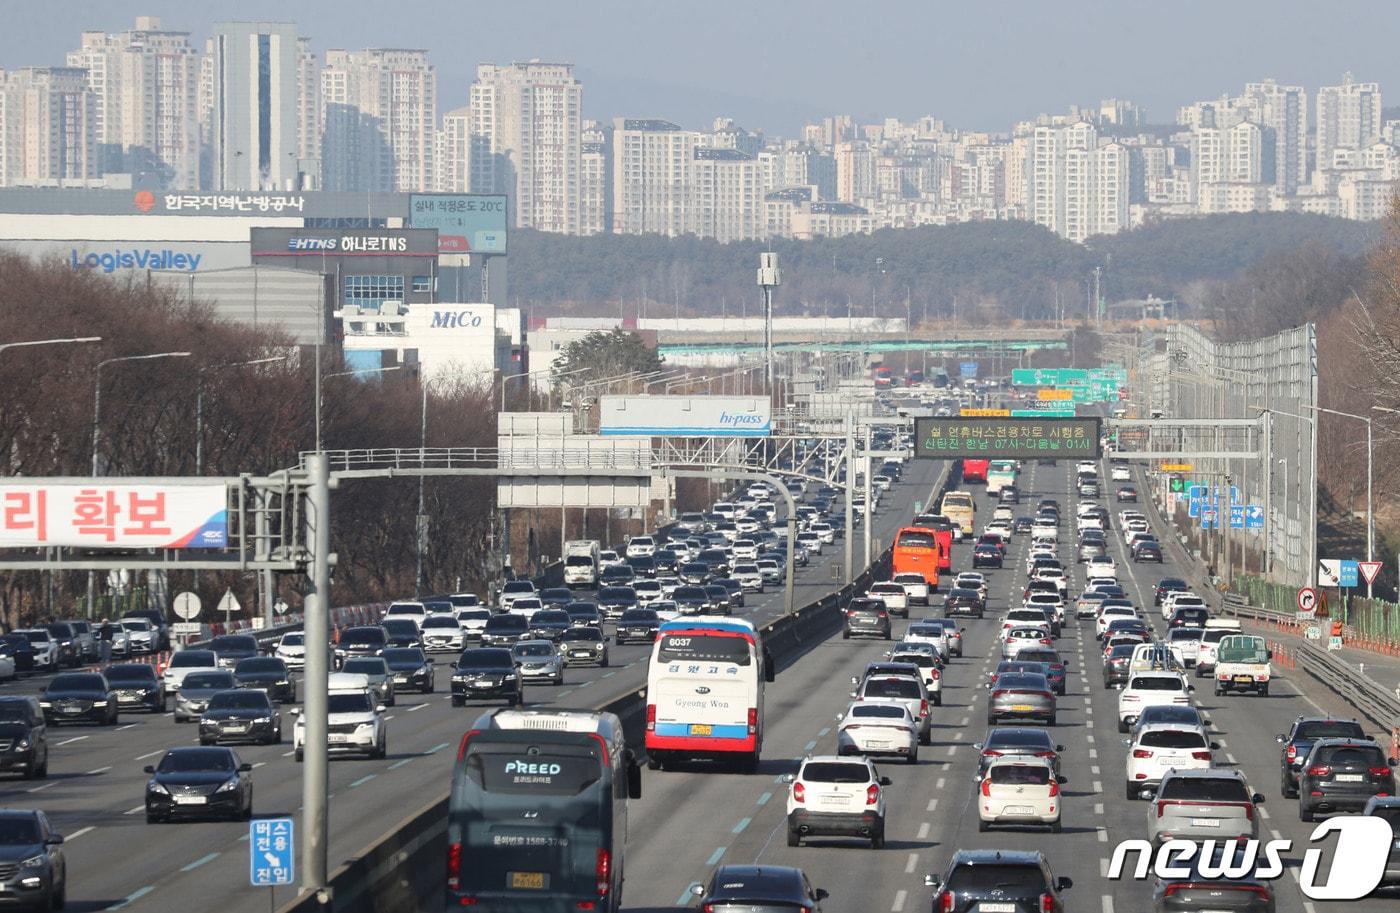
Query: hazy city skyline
[[776, 65]]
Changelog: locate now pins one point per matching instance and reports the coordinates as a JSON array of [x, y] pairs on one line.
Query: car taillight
[[1319, 770], [1045, 640], [1054, 787], [753, 720], [709, 908], [604, 872], [1201, 755], [1048, 695], [948, 900], [799, 792], [1378, 771], [997, 694], [872, 794], [923, 707], [1161, 809], [987, 786], [1047, 903], [1141, 753], [454, 866], [1291, 753], [991, 753]]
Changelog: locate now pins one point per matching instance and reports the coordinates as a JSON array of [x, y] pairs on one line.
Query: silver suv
[[1211, 804]]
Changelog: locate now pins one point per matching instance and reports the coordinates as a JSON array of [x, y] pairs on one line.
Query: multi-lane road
[[687, 823], [95, 789]]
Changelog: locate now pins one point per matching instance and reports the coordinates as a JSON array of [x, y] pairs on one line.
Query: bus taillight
[[753, 721], [604, 872], [454, 866], [651, 717]]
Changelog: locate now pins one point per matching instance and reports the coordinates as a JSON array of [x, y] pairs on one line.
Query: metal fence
[[1375, 621]]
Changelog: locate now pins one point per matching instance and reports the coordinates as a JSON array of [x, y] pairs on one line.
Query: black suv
[[24, 743], [1341, 775], [867, 617], [1298, 741], [960, 601], [505, 631], [487, 673], [1012, 880], [364, 640]]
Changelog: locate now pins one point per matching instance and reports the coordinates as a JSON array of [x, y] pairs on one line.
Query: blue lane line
[[436, 748], [823, 733], [739, 828], [684, 899], [397, 764], [717, 855], [763, 799], [365, 779], [199, 862], [810, 745], [132, 898]]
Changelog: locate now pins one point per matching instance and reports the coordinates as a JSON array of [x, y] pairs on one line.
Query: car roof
[[749, 877], [1206, 773]]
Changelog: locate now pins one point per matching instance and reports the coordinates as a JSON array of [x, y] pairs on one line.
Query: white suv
[[355, 724], [1147, 689], [832, 796], [893, 595], [915, 587], [1160, 747], [640, 546]]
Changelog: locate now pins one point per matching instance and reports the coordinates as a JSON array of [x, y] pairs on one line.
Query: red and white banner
[[100, 514]]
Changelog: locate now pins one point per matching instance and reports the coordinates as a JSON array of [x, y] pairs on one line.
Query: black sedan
[[549, 624], [241, 715], [640, 625], [963, 601], [488, 672], [1203, 887], [410, 668], [199, 783], [79, 697], [230, 648], [267, 673], [986, 555], [137, 686], [1298, 741], [402, 632], [1168, 585], [33, 872], [1147, 550], [750, 887]]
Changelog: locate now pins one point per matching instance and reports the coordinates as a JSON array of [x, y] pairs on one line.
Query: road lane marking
[[1107, 904], [609, 674], [932, 804], [1098, 808], [1093, 752], [939, 784], [152, 754], [810, 745], [923, 831], [1263, 813], [437, 748], [78, 833], [950, 749], [135, 811], [1103, 868], [365, 779], [126, 727], [259, 764], [1229, 757], [285, 754], [1098, 786], [1094, 769], [899, 898], [911, 864], [397, 764], [823, 733], [131, 898], [1103, 834], [39, 789], [763, 799], [76, 738], [202, 860], [743, 823], [415, 708], [716, 856], [1089, 739]]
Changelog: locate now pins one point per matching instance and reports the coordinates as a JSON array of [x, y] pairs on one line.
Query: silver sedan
[[539, 661]]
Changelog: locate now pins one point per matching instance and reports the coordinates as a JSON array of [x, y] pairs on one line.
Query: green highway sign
[[1042, 413], [1064, 377], [1177, 484]]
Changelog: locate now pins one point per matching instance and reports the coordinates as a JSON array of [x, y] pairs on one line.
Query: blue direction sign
[[968, 369], [1193, 507], [1209, 519], [270, 852], [1350, 574], [1237, 516], [1253, 516]]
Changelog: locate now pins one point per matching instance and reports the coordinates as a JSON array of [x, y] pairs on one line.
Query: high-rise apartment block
[[652, 164], [452, 155], [1348, 117], [595, 179], [527, 121], [253, 130], [48, 127], [380, 110]]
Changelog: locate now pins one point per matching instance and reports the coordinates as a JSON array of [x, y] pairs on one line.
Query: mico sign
[[454, 320]]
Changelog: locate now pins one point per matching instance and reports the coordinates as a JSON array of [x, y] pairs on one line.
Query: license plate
[[701, 729], [996, 908], [1022, 708], [530, 881], [72, 710], [336, 737], [1205, 822], [874, 744], [1349, 778], [1244, 679], [191, 800], [481, 684], [1017, 810]]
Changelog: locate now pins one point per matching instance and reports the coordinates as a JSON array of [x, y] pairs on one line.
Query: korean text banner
[[1032, 438], [113, 515]]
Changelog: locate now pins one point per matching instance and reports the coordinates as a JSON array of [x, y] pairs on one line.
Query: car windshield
[[401, 627], [259, 664], [835, 772], [926, 630], [1204, 789], [136, 625], [1329, 729], [200, 680], [579, 634], [404, 655], [550, 618], [77, 683], [133, 673], [518, 586], [234, 644], [364, 665], [636, 616], [189, 760], [348, 702], [1005, 878], [13, 712], [16, 831], [293, 640], [238, 700], [1172, 738], [533, 650]]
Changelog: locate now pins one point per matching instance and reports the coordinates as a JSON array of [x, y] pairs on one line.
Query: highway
[[687, 823], [95, 790]]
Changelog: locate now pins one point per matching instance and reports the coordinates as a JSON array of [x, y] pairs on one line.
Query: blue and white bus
[[705, 692]]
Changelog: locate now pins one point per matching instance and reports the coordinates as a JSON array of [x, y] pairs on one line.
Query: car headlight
[[33, 862], [364, 726], [154, 787], [45, 705], [263, 719], [101, 703], [229, 784], [22, 744]]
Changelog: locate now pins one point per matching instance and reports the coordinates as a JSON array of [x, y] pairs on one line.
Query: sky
[[776, 64]]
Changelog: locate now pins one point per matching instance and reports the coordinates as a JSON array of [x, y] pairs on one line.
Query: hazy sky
[[774, 64]]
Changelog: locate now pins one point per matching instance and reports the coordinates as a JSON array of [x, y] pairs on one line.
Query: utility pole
[[769, 277], [316, 626]]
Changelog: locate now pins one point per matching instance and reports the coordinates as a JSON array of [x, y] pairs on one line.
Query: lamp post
[[325, 377], [1370, 521], [97, 434], [48, 342], [1312, 500]]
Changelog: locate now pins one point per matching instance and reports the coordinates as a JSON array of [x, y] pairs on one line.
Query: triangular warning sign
[[1369, 570]]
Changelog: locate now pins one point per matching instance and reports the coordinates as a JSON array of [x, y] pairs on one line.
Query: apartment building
[[595, 180], [48, 134], [1348, 117], [254, 104], [652, 167], [380, 110]]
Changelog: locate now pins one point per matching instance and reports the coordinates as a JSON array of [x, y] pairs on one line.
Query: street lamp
[[1312, 494], [1370, 521], [48, 342], [325, 377], [97, 433]]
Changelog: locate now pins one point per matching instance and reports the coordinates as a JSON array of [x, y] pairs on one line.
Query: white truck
[[581, 563], [1242, 664]]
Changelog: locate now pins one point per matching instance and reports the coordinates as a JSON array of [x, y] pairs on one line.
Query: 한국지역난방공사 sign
[[955, 438]]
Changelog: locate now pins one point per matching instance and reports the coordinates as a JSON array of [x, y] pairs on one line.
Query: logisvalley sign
[[139, 258]]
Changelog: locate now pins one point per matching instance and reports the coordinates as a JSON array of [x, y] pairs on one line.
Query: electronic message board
[[1030, 438]]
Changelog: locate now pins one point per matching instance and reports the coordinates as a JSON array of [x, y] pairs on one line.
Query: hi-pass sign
[[955, 438]]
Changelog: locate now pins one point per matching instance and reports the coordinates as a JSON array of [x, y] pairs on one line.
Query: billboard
[[330, 243], [466, 223], [955, 438], [686, 416], [124, 257], [96, 514]]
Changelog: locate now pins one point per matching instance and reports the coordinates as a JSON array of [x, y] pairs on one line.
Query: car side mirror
[[1280, 739], [245, 768], [789, 778], [1064, 883], [295, 711], [1190, 687], [1059, 748], [1062, 780], [885, 781], [1127, 741], [1257, 798], [856, 681], [977, 746], [821, 894], [933, 881], [54, 840], [697, 889], [148, 769], [379, 708]]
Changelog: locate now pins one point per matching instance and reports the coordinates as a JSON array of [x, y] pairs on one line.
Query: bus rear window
[[523, 772], [704, 648], [916, 540]]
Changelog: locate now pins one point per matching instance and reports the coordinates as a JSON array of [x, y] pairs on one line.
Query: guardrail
[[402, 871]]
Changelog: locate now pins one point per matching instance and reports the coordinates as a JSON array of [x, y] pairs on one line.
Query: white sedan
[[1019, 790], [878, 729], [1121, 474], [1160, 747], [1147, 689]]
